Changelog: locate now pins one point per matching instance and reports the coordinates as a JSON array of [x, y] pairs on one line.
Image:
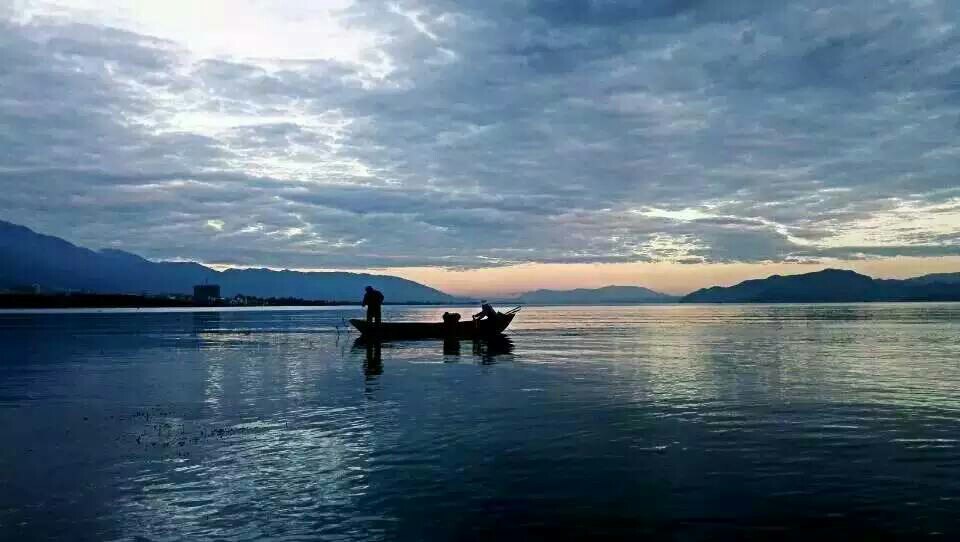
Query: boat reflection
[[488, 350], [485, 351]]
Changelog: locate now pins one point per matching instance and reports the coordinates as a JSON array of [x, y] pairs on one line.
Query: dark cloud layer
[[502, 132]]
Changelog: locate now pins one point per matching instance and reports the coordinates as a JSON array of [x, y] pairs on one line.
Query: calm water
[[660, 422]]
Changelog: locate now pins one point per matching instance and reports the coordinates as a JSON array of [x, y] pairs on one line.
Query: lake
[[676, 422]]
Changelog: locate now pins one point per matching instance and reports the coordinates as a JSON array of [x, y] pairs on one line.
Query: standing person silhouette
[[372, 300]]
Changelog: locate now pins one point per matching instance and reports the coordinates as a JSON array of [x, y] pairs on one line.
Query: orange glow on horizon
[[669, 278]]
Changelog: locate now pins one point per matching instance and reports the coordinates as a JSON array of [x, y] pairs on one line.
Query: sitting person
[[486, 311]]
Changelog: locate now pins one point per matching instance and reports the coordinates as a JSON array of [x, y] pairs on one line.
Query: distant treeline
[[80, 301], [103, 301]]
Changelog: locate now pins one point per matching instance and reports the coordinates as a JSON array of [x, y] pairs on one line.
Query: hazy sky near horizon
[[557, 142]]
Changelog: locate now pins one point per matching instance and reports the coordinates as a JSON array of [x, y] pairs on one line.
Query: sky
[[491, 146]]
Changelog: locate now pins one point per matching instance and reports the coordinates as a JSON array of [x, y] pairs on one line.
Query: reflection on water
[[205, 322], [451, 347], [485, 351], [489, 350], [373, 365], [661, 422]]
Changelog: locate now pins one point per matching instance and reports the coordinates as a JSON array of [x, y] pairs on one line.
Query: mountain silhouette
[[607, 294], [828, 286], [27, 257], [942, 278]]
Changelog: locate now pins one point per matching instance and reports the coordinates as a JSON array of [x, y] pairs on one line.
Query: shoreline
[[134, 301]]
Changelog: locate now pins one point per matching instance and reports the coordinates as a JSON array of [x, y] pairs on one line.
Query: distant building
[[206, 293]]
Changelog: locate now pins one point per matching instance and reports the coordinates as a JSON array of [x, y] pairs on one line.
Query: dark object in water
[[451, 317], [435, 330]]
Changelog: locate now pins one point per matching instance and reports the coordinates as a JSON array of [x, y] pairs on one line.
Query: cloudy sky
[[490, 145]]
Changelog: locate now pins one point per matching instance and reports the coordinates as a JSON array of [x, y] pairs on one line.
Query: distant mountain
[[585, 296], [27, 257], [941, 278], [827, 286]]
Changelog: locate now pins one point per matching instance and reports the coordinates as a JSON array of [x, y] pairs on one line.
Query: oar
[[512, 311]]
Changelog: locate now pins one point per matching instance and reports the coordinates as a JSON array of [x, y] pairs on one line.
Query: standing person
[[372, 300]]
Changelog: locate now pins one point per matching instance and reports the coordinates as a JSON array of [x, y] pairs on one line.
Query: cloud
[[470, 134]]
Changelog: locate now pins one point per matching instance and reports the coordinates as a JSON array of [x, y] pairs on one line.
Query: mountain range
[[27, 257], [585, 296], [832, 286]]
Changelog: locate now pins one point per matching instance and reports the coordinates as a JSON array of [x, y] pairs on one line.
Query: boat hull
[[433, 330]]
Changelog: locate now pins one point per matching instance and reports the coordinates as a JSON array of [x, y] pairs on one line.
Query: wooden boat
[[470, 329]]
